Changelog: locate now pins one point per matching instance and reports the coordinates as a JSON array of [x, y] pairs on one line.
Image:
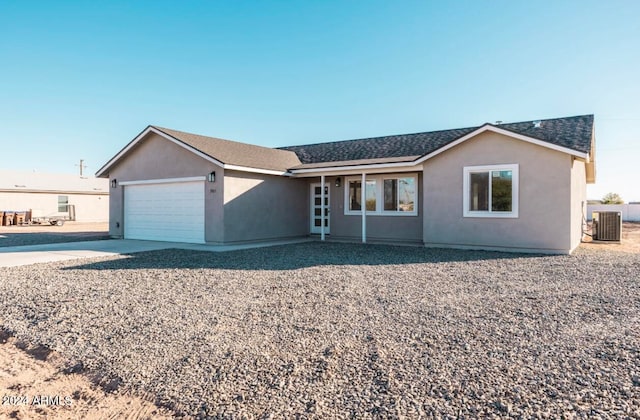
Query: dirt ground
[[630, 240], [33, 383]]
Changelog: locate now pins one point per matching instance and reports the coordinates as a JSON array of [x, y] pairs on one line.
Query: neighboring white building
[[48, 194], [629, 212]]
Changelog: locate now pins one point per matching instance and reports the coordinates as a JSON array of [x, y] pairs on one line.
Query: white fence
[[630, 212]]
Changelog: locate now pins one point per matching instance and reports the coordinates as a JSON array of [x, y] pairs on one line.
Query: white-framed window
[[389, 195], [354, 198], [490, 191]]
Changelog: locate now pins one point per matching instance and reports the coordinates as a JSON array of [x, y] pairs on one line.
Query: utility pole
[[82, 166]]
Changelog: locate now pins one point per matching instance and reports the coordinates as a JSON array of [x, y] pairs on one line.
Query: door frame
[[312, 208]]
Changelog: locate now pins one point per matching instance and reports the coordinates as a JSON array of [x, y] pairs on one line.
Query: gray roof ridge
[[541, 120], [383, 137], [475, 127]]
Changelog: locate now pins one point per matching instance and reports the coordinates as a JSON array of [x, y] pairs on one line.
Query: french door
[[317, 218]]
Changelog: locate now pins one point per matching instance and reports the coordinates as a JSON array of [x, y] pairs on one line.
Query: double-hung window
[[490, 191], [390, 195]]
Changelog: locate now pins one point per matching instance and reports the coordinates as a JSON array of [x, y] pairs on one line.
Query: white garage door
[[171, 212]]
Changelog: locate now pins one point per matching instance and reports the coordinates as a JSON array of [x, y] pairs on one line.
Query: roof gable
[[230, 152], [226, 153]]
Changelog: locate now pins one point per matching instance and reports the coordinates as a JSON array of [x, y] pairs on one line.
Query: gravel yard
[[345, 330]]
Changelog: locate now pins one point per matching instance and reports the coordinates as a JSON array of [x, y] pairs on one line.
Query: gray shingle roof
[[572, 132], [575, 133], [236, 153]]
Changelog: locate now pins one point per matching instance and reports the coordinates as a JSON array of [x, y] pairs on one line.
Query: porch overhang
[[356, 170]]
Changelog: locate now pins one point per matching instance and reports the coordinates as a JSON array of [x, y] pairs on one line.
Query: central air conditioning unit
[[607, 226]]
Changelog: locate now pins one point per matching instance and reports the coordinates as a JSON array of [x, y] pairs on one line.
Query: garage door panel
[[165, 212]]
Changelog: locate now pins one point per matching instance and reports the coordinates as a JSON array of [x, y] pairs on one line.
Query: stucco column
[[322, 208], [363, 207]]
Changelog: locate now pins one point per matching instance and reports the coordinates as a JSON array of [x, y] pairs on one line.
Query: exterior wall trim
[[357, 172], [255, 170], [360, 168], [163, 180]]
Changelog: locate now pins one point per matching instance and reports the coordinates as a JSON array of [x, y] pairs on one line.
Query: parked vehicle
[[55, 219], [52, 220]]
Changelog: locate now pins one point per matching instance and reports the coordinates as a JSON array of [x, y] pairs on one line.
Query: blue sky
[[79, 79]]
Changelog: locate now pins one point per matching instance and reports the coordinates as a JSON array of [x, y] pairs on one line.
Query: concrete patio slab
[[35, 254]]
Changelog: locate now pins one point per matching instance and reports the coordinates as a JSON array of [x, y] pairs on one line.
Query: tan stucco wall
[[379, 228], [578, 201], [544, 223], [158, 158], [89, 207], [263, 207]]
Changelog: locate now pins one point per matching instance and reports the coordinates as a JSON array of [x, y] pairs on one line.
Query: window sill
[[377, 213], [490, 215]]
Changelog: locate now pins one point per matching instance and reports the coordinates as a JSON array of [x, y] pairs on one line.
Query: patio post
[[322, 210], [363, 207]]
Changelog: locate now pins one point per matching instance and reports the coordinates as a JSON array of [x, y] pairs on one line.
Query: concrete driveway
[[34, 254]]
